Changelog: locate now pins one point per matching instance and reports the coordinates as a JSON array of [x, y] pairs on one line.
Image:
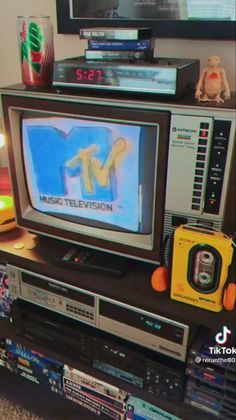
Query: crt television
[[90, 174], [117, 173]]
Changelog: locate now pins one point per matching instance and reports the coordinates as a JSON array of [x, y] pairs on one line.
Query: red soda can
[[35, 36]]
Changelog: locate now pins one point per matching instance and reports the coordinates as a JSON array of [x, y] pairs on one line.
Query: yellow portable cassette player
[[200, 263]]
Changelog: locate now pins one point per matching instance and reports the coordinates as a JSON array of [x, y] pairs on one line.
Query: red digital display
[[89, 75]]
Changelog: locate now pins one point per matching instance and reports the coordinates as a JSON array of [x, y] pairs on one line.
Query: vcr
[[128, 362], [150, 330]]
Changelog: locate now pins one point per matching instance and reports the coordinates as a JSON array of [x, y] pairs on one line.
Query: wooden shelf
[[134, 288]]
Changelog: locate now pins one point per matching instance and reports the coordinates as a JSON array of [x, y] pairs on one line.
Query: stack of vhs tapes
[[118, 44], [97, 396], [33, 366], [211, 385]]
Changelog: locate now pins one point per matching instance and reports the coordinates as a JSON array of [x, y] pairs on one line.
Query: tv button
[[197, 186]]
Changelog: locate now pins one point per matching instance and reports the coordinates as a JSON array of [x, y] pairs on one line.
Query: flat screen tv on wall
[[199, 19]]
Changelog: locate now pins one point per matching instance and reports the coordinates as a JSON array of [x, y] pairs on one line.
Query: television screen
[[88, 172], [200, 19], [154, 9], [92, 172]]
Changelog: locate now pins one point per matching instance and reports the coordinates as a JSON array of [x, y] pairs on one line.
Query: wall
[[71, 45]]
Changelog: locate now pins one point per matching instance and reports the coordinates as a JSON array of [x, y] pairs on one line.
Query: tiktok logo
[[221, 337]]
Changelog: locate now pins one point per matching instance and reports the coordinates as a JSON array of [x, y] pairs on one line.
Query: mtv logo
[[89, 153]]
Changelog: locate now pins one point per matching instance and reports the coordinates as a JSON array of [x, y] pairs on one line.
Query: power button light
[[203, 133]]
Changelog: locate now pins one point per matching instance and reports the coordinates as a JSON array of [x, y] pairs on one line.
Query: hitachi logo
[[184, 130]]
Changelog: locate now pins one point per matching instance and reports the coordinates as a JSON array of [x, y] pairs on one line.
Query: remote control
[[81, 258]]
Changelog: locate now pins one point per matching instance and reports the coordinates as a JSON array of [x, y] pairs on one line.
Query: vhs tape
[[142, 45], [216, 370], [94, 383], [200, 406], [79, 396], [212, 377], [36, 358], [34, 373], [223, 413], [110, 402], [34, 366], [209, 390], [118, 55], [138, 409], [83, 404], [114, 34], [211, 401]]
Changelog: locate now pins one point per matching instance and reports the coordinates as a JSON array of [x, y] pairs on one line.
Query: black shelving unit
[[177, 409], [133, 288], [39, 401]]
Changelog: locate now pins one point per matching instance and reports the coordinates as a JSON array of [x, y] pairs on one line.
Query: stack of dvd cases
[[211, 385], [118, 44]]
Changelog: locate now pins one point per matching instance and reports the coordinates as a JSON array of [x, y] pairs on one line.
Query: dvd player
[[159, 76], [150, 330]]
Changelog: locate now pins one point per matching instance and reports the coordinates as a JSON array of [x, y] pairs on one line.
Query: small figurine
[[212, 82]]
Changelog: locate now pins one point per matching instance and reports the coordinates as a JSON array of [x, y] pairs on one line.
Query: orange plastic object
[[159, 279], [229, 298]]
